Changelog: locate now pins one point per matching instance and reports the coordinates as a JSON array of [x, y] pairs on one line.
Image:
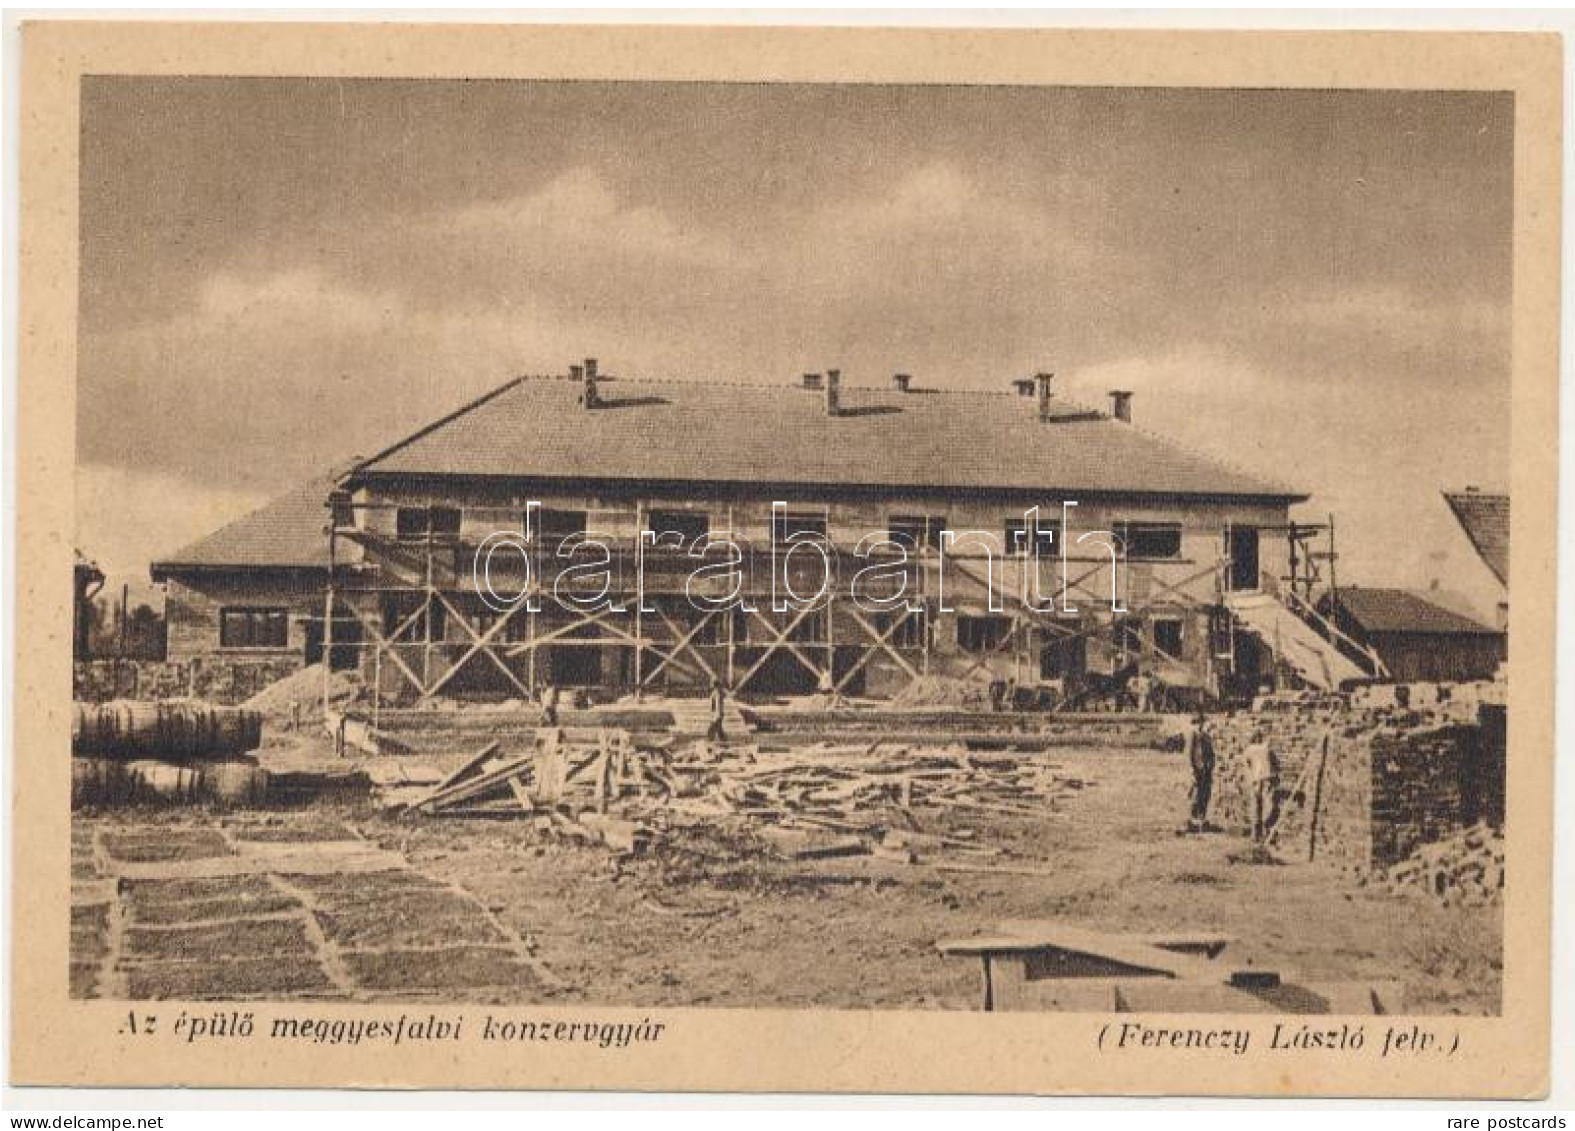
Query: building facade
[[645, 535]]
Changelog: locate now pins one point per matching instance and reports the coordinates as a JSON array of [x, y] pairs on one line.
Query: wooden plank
[[476, 785], [1199, 942], [1103, 945], [481, 756]]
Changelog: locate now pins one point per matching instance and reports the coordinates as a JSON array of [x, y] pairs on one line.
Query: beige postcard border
[[59, 1041]]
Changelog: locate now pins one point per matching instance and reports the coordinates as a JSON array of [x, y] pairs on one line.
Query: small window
[[910, 632], [419, 523], [482, 619], [254, 628], [1047, 537], [810, 630], [786, 524], [1149, 540], [981, 634], [343, 512], [916, 532], [1167, 636], [690, 526], [552, 527], [401, 607], [705, 631]]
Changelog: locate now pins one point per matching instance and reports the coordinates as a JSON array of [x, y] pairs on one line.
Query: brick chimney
[[901, 381], [812, 380], [1042, 389], [833, 392], [586, 376], [1121, 405]]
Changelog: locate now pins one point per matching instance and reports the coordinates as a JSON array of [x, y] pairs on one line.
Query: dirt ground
[[492, 910]]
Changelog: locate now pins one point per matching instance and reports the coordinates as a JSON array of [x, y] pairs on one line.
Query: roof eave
[[162, 571], [366, 475]]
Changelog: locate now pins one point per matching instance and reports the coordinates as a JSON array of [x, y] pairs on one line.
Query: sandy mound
[[303, 690]]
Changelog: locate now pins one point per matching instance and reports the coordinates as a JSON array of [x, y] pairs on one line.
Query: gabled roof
[[1400, 610], [672, 431], [1485, 519], [288, 533]]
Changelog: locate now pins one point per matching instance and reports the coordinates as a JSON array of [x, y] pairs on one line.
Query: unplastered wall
[[1363, 786]]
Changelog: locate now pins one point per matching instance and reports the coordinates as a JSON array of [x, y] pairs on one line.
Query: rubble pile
[[945, 691], [1464, 870]]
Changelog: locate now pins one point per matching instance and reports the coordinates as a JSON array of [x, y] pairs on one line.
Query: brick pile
[[1462, 870], [1362, 787]]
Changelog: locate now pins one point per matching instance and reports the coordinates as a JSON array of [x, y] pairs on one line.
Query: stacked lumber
[[1463, 870], [567, 787], [854, 783], [910, 805]]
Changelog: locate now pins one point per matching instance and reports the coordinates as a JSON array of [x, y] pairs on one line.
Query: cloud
[[125, 519], [577, 215], [290, 356], [270, 378], [1377, 455]]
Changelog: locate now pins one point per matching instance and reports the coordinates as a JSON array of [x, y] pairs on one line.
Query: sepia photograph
[[623, 545]]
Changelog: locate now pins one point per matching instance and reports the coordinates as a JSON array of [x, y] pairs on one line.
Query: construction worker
[[714, 732], [1263, 783], [1200, 755], [549, 706], [1143, 691], [827, 688]]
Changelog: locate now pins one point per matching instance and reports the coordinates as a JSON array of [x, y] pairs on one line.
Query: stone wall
[[225, 681], [1363, 786]]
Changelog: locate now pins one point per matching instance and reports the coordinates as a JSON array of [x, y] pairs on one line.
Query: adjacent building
[[86, 582], [1484, 520], [254, 590], [1417, 638]]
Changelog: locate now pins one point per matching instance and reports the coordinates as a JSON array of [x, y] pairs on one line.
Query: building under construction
[[1147, 557]]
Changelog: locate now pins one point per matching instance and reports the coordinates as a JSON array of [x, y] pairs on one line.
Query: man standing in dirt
[[714, 732], [1263, 782], [1143, 691], [827, 689], [1200, 754]]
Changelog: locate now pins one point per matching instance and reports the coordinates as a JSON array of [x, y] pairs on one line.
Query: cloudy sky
[[279, 274]]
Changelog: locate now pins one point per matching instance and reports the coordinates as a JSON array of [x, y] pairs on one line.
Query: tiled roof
[[536, 427], [1400, 610], [1485, 519], [289, 532]]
